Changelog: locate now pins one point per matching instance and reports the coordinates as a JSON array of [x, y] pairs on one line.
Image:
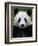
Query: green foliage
[[25, 9]]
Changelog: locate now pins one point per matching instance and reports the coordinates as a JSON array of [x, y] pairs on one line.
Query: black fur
[[15, 11], [18, 32], [29, 12]]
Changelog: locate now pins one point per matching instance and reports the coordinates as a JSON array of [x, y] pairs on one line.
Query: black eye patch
[[25, 20], [19, 20]]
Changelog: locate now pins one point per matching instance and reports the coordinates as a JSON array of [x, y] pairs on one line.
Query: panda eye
[[25, 19], [19, 20]]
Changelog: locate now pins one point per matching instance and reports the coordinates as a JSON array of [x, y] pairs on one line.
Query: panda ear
[[15, 11], [29, 12]]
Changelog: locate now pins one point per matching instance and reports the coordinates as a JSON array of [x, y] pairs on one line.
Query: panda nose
[[22, 25]]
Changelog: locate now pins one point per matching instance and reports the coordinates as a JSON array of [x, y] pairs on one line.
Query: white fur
[[22, 15]]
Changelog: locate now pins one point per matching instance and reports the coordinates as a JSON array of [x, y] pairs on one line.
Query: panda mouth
[[22, 27]]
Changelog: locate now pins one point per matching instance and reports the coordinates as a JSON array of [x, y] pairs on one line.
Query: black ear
[[15, 11], [29, 12]]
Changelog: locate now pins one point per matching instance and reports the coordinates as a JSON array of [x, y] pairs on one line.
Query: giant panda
[[22, 24]]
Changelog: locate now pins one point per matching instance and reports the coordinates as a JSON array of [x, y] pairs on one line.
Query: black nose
[[22, 25]]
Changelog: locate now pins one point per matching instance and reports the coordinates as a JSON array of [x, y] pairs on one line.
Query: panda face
[[21, 20]]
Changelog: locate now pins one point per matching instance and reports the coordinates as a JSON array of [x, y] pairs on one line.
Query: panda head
[[22, 19]]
